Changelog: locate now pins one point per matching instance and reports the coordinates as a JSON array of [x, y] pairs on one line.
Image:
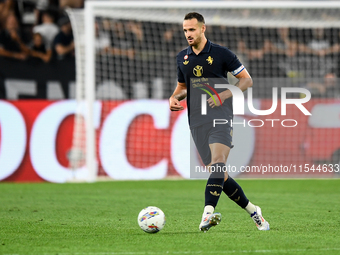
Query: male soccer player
[[199, 67]]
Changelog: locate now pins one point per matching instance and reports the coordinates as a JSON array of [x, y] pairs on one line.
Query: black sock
[[235, 192], [215, 184]]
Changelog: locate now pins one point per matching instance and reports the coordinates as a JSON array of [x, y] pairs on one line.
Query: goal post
[[125, 50]]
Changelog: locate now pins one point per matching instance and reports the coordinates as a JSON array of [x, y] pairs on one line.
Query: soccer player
[[199, 67]]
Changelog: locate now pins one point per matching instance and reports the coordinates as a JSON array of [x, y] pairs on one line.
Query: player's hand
[[175, 105], [211, 101]]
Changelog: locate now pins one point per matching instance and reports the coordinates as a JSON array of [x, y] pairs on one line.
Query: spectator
[[282, 44], [13, 41], [136, 29], [329, 87], [282, 51], [39, 50], [71, 3], [254, 45], [6, 8], [43, 6], [173, 40], [103, 41], [63, 43], [319, 49], [48, 30], [320, 43], [123, 41], [124, 44], [225, 36]]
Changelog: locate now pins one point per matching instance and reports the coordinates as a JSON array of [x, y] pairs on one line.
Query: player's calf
[[214, 185], [234, 191]]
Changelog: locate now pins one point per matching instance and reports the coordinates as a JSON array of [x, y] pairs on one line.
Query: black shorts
[[207, 134]]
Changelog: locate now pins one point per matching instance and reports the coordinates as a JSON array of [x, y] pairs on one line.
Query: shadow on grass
[[168, 233]]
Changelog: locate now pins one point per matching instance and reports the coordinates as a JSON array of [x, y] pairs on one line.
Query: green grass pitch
[[101, 218]]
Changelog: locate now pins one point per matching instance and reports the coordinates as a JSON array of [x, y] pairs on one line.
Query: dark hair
[[48, 13], [37, 34], [63, 21], [194, 15]]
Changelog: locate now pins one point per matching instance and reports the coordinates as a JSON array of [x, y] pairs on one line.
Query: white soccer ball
[[151, 219]]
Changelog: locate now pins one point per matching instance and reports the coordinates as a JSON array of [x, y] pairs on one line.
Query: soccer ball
[[151, 219]]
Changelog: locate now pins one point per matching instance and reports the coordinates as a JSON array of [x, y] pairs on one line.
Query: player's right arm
[[179, 94]]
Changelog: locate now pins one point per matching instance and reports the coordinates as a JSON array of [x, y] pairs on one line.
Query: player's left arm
[[244, 82]]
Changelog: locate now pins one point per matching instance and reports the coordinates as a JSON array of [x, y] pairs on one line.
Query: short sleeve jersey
[[200, 73]]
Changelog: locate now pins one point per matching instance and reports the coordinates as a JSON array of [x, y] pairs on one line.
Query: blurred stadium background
[[46, 87]]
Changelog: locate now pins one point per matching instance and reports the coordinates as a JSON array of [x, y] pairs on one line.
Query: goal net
[[126, 71]]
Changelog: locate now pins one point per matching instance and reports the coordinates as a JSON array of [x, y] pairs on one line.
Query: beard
[[195, 42]]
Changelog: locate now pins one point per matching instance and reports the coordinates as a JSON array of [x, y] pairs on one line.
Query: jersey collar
[[205, 49]]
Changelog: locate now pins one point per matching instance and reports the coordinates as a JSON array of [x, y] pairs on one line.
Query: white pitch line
[[186, 252]]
